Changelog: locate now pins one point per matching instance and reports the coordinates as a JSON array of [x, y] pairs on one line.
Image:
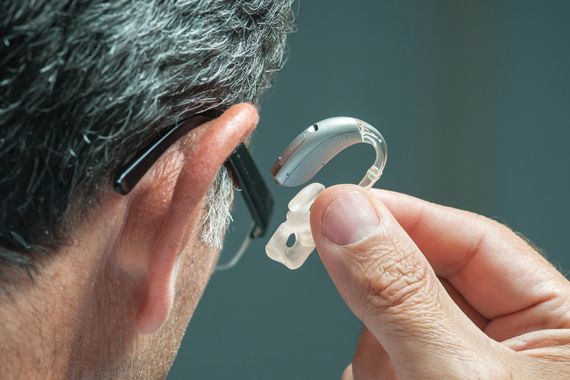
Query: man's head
[[92, 282]]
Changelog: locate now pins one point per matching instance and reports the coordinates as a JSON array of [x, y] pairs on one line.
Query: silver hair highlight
[[217, 210]]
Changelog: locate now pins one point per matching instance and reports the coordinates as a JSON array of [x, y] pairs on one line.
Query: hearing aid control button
[[313, 128]]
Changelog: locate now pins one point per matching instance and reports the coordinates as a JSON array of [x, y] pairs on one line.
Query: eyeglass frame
[[240, 163]]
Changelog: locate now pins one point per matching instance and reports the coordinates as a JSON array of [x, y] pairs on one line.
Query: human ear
[[162, 213]]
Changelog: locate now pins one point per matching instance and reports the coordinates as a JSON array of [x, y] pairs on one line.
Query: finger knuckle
[[394, 277], [497, 231], [494, 227]]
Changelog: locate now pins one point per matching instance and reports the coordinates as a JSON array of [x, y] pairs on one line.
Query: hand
[[442, 293]]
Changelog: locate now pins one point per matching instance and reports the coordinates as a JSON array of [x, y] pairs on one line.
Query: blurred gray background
[[473, 99]]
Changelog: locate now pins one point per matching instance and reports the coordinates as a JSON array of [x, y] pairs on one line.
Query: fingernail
[[349, 219]]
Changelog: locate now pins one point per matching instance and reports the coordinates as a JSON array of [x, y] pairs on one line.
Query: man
[[101, 285], [94, 283]]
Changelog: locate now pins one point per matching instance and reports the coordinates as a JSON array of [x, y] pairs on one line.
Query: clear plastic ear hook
[[300, 161]]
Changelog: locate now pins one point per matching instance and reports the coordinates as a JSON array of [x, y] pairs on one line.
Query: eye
[[313, 128]]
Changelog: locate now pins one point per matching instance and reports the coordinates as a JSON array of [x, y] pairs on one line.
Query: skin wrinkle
[[389, 282], [479, 320], [393, 279], [553, 305], [477, 247]]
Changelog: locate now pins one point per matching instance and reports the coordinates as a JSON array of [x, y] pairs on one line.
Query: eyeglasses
[[240, 163]]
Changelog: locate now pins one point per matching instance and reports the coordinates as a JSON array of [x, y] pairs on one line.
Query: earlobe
[[158, 302], [174, 206]]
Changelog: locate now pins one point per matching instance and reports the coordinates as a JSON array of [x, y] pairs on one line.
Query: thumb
[[389, 285]]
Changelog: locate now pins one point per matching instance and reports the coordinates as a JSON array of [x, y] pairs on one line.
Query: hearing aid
[[302, 159]]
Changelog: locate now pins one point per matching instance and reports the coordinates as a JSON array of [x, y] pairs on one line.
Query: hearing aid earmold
[[292, 242]]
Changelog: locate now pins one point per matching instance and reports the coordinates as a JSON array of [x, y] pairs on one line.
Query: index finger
[[494, 269]]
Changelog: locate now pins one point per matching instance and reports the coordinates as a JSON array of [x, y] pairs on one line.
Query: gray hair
[[85, 84], [217, 206]]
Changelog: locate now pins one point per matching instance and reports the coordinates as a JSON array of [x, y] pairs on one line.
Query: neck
[[48, 322], [36, 333]]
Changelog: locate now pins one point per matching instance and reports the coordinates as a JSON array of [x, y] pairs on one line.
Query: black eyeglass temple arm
[[256, 194], [131, 173]]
